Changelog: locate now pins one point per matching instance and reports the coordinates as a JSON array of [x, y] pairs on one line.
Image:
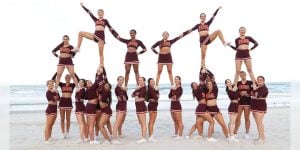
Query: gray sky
[[33, 28]]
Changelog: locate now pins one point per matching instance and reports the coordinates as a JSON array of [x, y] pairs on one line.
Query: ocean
[[33, 97]]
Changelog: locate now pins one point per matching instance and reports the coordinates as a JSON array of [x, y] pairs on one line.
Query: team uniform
[[140, 105], [245, 100], [122, 98], [105, 97], [153, 96], [175, 95], [64, 50], [99, 35], [233, 106], [54, 97], [205, 40], [79, 103], [258, 100], [243, 54]]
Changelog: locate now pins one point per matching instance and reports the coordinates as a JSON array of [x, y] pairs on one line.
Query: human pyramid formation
[[95, 115]]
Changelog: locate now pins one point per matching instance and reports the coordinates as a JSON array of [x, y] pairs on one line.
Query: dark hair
[[178, 78], [241, 28], [202, 14], [62, 43], [227, 89], [143, 78], [133, 30], [149, 80], [84, 82], [119, 78], [261, 77], [193, 91]]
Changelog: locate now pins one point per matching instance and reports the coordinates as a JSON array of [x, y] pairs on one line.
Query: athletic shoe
[[211, 139], [247, 137], [116, 142], [198, 137], [233, 139], [151, 139], [94, 142], [141, 141]]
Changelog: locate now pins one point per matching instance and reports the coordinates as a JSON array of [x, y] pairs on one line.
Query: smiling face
[[120, 80], [194, 86], [141, 81], [177, 80], [81, 83], [209, 85], [165, 35], [132, 34], [66, 40], [50, 84], [242, 31], [89, 83], [152, 82], [260, 81], [107, 87], [68, 78], [101, 13], [203, 17], [228, 83]]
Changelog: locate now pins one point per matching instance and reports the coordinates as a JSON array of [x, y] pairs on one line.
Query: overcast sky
[[33, 28]]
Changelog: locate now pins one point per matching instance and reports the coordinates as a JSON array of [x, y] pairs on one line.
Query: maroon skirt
[[106, 111], [245, 101], [176, 106], [65, 62], [140, 107], [98, 108], [242, 55], [201, 109], [152, 106], [205, 40], [79, 107], [121, 106], [65, 103], [131, 58], [165, 59], [233, 108], [90, 109], [258, 106], [51, 110], [213, 109], [99, 36]]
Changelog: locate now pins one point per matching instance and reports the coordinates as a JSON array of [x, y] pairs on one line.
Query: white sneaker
[[67, 135], [86, 140], [121, 136], [94, 142], [178, 137], [175, 135], [51, 139], [188, 137], [116, 142], [212, 139], [76, 49], [198, 137], [106, 142], [247, 137], [151, 139], [96, 137], [47, 142], [233, 139], [141, 141]]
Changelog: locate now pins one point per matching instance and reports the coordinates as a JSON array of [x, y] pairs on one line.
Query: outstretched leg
[[217, 33], [82, 35]]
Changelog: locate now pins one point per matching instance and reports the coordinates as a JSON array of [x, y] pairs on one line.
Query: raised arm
[[89, 12], [56, 49], [154, 46], [180, 36], [143, 47], [112, 30], [54, 76], [214, 15], [254, 42], [77, 77]]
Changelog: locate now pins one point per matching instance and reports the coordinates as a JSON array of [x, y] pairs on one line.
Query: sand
[[26, 133]]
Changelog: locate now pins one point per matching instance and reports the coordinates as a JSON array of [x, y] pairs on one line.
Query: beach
[[27, 133]]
